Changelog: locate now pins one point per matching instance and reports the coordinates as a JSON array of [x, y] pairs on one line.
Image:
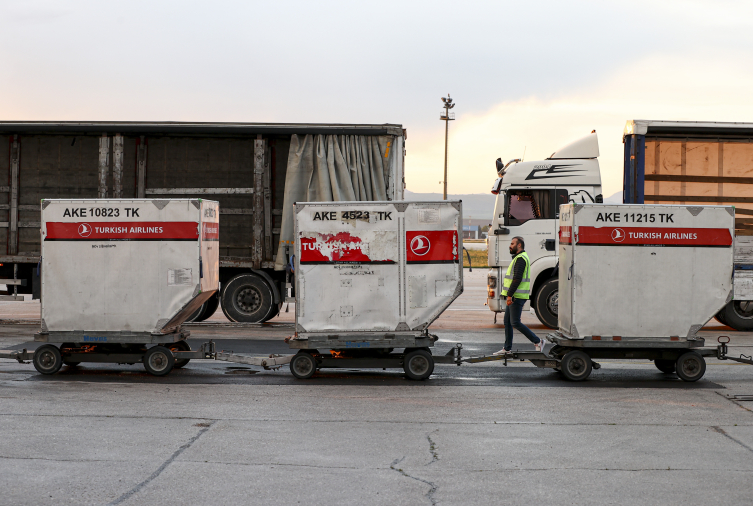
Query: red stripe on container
[[122, 230]]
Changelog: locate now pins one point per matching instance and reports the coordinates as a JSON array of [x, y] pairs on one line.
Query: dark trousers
[[512, 321]]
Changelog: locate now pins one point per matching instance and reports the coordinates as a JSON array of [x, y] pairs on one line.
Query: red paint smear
[[344, 247]]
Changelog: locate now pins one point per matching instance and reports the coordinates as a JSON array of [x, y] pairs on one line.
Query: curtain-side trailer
[[256, 171], [701, 163]]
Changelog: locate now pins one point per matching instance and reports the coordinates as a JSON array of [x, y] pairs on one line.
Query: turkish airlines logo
[[84, 230], [420, 245], [618, 235]]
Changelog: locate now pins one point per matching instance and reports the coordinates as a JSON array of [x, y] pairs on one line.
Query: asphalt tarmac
[[222, 433]]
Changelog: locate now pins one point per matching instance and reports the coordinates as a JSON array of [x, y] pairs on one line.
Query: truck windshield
[[524, 205]]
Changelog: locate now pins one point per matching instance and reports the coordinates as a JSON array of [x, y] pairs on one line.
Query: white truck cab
[[528, 198]]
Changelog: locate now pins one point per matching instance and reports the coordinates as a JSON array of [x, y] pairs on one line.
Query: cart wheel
[[180, 346], [664, 365], [64, 348], [47, 359], [576, 365], [691, 366], [418, 364], [158, 361], [303, 365]]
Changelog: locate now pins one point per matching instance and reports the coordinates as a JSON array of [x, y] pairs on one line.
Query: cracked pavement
[[476, 434]]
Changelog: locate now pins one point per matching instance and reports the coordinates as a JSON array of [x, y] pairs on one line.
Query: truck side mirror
[[500, 165]]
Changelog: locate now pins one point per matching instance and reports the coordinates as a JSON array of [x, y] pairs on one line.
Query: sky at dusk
[[526, 76]]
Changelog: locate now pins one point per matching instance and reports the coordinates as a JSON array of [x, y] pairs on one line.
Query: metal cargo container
[[376, 269], [643, 271], [126, 270], [256, 171]]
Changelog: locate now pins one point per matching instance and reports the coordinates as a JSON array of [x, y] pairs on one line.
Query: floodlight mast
[[446, 116]]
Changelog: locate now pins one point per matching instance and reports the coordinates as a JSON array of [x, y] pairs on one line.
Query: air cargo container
[[119, 275], [256, 171], [370, 278], [698, 163], [653, 272]]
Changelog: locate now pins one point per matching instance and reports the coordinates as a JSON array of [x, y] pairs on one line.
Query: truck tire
[[209, 308], [194, 317], [247, 298], [691, 366], [720, 317], [546, 303], [47, 359], [576, 365], [738, 314]]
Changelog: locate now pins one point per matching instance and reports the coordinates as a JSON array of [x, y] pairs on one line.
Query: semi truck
[[529, 195], [256, 171], [665, 162], [698, 163]]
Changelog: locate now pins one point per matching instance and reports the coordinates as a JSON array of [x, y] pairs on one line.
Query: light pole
[[446, 116]]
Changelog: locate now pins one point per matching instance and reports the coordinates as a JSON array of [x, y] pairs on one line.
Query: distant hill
[[475, 205]]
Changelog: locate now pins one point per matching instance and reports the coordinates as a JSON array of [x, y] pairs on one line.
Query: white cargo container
[[125, 270], [370, 270], [643, 271]]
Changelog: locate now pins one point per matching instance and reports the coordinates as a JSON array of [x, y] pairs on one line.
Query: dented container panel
[[655, 271], [126, 265], [390, 267]]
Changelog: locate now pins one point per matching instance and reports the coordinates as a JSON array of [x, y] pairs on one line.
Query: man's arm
[[517, 276]]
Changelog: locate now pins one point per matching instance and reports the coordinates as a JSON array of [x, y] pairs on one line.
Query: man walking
[[517, 290]]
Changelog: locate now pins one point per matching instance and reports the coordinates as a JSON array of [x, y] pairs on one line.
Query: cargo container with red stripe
[[646, 271]]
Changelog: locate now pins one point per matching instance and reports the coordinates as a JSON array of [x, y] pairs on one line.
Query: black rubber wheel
[[691, 366], [47, 359], [194, 317], [209, 308], [546, 304], [247, 298], [179, 346], [576, 365], [738, 314], [63, 349], [720, 317], [303, 365], [418, 364], [665, 365], [158, 361]]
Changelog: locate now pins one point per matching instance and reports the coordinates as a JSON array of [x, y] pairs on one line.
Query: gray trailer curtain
[[332, 168]]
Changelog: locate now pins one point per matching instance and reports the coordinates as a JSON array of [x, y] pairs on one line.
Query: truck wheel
[[720, 317], [691, 366], [158, 361], [738, 314], [210, 307], [247, 298], [665, 366], [47, 359], [576, 365], [418, 364], [180, 346], [303, 365], [194, 317], [546, 304]]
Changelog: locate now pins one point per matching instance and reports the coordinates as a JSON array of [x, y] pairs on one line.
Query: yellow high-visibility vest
[[524, 288]]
